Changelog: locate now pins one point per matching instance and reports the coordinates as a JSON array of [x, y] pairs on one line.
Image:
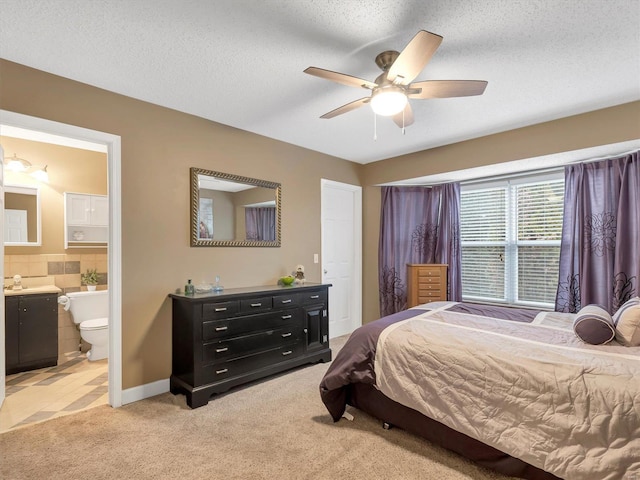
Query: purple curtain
[[260, 223], [417, 225], [600, 249]]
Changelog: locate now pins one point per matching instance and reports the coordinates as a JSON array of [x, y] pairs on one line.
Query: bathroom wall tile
[[102, 263], [64, 318], [72, 257], [36, 258], [20, 268], [71, 280], [57, 257], [55, 268], [103, 278], [38, 269], [66, 281], [87, 262], [69, 333], [71, 289], [67, 345], [72, 267]]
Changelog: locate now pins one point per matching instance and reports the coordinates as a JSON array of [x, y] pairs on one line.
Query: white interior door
[[15, 226], [342, 254], [2, 332]]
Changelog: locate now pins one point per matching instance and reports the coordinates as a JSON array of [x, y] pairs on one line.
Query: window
[[510, 234]]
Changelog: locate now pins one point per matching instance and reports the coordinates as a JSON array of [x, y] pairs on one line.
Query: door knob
[[325, 271]]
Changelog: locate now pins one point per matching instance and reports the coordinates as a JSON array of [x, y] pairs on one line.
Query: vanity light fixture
[[20, 165], [41, 174], [15, 164]]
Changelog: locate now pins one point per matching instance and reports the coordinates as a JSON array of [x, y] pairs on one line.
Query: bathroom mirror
[[233, 211], [22, 222]]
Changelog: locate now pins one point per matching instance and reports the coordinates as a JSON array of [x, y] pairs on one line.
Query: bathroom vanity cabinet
[[221, 340], [31, 332]]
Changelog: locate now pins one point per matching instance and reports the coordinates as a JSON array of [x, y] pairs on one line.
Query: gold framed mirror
[[233, 211]]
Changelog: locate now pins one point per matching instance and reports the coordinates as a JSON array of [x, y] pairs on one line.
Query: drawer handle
[[285, 335], [221, 309], [256, 304], [220, 372], [288, 352], [286, 301], [286, 317], [221, 329], [314, 296], [223, 349]]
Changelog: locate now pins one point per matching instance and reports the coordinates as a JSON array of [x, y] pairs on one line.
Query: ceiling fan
[[392, 89]]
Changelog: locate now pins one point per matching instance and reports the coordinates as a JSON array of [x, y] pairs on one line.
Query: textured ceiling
[[240, 62]]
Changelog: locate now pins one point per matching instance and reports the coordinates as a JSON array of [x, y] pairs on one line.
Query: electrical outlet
[[315, 258]]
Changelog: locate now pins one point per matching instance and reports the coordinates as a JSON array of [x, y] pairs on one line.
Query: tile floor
[[74, 384]]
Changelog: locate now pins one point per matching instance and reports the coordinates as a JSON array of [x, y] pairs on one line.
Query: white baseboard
[[141, 392]]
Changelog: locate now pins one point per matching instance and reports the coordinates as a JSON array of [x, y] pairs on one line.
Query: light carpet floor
[[272, 429]]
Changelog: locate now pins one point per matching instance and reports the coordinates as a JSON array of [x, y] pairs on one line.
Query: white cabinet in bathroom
[[86, 219]]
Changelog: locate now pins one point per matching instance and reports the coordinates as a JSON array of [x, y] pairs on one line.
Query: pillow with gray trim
[[627, 323], [594, 325]]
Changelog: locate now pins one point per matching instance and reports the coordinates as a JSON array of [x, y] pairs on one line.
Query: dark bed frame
[[367, 398]]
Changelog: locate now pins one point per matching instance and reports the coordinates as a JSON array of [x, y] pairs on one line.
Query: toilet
[[90, 310]]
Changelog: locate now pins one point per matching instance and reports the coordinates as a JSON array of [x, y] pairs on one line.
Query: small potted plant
[[90, 279]]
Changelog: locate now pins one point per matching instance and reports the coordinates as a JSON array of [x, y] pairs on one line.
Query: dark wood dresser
[[221, 340]]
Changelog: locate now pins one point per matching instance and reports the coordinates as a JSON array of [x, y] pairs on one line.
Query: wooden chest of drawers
[[222, 340], [426, 283]]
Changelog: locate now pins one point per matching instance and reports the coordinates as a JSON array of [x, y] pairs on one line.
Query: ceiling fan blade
[[346, 108], [408, 117], [414, 57], [340, 78], [448, 88]]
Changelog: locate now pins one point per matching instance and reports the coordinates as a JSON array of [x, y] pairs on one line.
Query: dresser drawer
[[251, 323], [428, 295], [211, 311], [251, 343], [425, 272], [288, 300], [241, 365], [311, 298], [255, 305]]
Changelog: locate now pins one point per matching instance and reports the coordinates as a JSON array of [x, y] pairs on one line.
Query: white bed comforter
[[533, 391]]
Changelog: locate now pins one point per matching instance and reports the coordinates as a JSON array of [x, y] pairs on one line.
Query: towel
[[65, 302]]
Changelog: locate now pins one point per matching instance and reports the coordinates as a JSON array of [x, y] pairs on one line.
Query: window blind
[[510, 236]]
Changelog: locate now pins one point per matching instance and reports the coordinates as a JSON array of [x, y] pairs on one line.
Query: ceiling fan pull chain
[[375, 128]]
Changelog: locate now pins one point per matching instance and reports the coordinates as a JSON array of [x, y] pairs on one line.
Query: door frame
[[356, 300], [113, 144]]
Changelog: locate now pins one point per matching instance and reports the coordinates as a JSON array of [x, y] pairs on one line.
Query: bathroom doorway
[[111, 146]]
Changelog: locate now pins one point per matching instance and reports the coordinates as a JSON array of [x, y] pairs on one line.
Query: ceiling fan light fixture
[[388, 101]]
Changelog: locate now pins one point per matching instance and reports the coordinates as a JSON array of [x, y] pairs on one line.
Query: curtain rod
[[543, 170]]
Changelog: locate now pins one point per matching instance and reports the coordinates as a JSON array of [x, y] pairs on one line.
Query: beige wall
[[158, 147], [601, 127]]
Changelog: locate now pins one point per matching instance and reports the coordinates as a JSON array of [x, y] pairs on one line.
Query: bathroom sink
[[32, 290]]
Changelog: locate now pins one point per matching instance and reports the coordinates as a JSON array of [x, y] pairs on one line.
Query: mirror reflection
[[21, 216], [229, 210]]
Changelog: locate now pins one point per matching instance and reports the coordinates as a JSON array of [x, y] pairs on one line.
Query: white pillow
[[627, 323]]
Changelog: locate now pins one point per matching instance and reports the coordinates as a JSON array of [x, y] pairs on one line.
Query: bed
[[512, 389]]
